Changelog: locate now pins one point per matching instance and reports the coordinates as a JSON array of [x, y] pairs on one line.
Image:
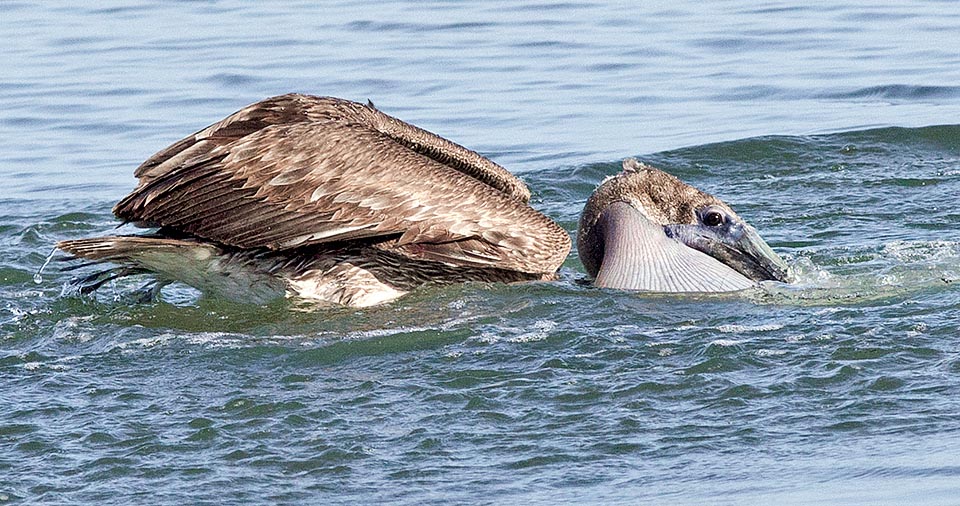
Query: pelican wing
[[296, 171]]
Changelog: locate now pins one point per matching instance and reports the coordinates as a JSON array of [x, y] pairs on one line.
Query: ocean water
[[831, 127]]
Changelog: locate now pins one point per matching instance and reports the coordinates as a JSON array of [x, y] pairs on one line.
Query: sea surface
[[832, 127]]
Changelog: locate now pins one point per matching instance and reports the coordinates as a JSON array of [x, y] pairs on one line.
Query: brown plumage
[[326, 194], [644, 229], [663, 198]]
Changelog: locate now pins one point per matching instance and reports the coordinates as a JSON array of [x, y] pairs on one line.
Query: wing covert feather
[[284, 180]]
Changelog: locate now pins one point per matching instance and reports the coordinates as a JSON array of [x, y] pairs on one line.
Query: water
[[830, 127]]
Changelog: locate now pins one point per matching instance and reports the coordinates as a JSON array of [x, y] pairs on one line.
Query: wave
[[896, 91]]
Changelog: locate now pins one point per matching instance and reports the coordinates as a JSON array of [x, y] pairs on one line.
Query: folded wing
[[296, 171]]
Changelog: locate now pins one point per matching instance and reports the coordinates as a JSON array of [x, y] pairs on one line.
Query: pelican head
[[644, 229]]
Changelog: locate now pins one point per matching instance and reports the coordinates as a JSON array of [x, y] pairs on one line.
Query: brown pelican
[[644, 229], [329, 200]]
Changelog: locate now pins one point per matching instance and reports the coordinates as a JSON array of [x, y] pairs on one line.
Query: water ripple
[[837, 389]]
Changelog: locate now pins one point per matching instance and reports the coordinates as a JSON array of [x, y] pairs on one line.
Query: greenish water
[[837, 389]]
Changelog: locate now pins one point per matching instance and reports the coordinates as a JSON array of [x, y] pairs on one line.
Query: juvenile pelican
[[329, 200], [644, 229]]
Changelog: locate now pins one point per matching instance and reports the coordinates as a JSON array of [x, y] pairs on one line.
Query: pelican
[[328, 200], [644, 229]]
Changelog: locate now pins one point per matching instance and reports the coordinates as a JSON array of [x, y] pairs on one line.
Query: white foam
[[736, 329], [921, 251], [725, 342], [541, 329], [770, 353]]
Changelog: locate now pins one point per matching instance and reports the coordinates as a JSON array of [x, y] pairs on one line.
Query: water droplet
[[38, 277]]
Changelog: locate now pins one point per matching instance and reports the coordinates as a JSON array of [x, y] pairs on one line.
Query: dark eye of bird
[[712, 219]]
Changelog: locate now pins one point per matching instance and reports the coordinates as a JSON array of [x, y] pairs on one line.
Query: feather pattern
[[335, 200], [644, 229], [297, 171]]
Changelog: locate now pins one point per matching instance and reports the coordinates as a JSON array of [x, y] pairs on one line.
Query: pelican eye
[[713, 218]]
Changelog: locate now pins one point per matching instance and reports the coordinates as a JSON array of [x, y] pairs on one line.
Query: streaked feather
[[314, 181]]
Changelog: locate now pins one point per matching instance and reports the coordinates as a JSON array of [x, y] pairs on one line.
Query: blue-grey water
[[831, 126]]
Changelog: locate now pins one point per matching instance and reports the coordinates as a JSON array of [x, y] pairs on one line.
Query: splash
[[857, 275], [38, 277]]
